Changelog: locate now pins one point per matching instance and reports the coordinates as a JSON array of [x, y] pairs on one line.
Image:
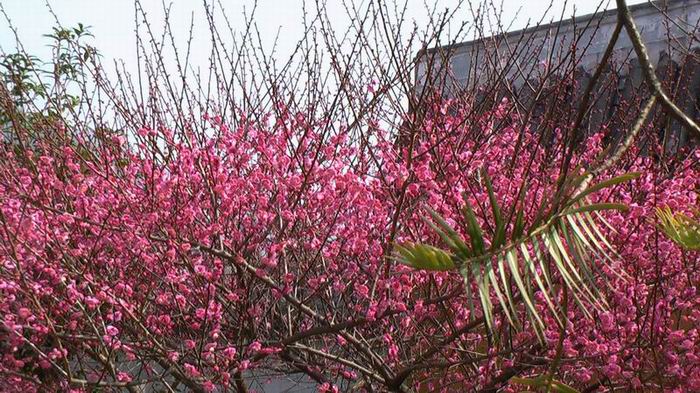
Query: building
[[519, 63]]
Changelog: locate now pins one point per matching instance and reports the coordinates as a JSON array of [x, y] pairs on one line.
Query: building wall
[[592, 33], [670, 30]]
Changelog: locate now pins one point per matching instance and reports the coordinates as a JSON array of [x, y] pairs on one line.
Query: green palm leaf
[[558, 252], [680, 228]]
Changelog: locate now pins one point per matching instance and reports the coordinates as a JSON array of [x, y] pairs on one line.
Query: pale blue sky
[[113, 21]]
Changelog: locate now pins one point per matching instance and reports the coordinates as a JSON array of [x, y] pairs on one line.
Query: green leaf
[[464, 271], [597, 207], [511, 257], [604, 184], [570, 267], [579, 255], [499, 295], [445, 237], [484, 295], [447, 232], [535, 382], [529, 263], [499, 236], [680, 228], [507, 285], [424, 257], [550, 245], [519, 225], [473, 228], [562, 388]]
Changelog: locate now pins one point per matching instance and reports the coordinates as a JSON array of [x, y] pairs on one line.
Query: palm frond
[[559, 251], [680, 228]]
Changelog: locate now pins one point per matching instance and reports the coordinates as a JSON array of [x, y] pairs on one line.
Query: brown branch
[[648, 69]]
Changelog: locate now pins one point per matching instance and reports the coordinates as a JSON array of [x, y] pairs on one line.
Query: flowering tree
[[167, 246]]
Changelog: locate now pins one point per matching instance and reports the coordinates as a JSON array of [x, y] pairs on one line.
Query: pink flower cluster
[[201, 258]]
